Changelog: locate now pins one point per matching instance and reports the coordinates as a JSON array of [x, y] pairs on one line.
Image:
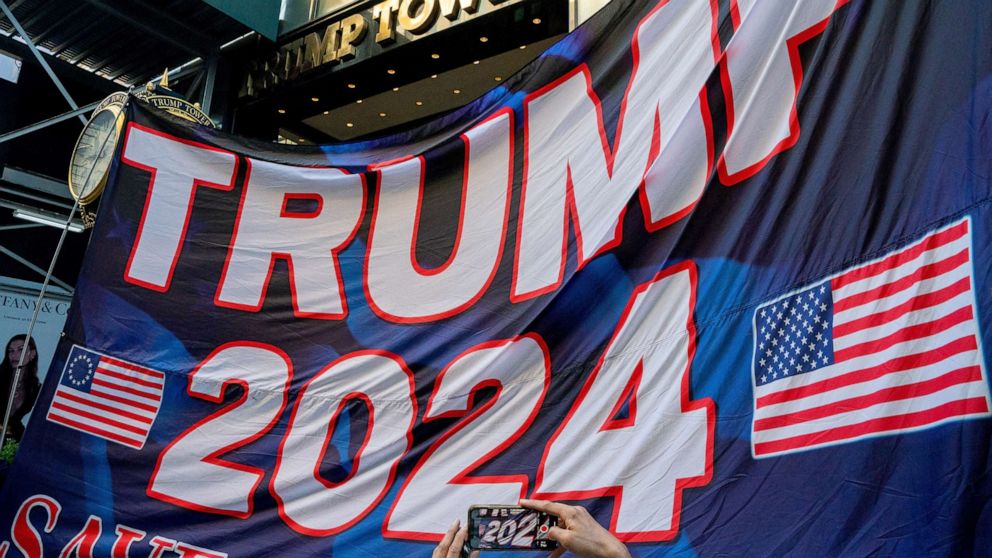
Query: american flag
[[107, 397], [885, 347]]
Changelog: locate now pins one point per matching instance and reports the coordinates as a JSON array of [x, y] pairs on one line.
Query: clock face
[[94, 152]]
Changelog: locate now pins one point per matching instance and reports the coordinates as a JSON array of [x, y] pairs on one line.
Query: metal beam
[[14, 256], [208, 86], [16, 227], [55, 26], [48, 122], [137, 21], [41, 59]]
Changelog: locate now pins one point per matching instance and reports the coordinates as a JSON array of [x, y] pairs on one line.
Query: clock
[[94, 151]]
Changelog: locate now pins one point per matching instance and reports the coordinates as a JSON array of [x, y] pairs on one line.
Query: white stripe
[[915, 317], [54, 415], [904, 270], [962, 360], [97, 399], [904, 349], [138, 374], [121, 385], [895, 299], [99, 412], [893, 408]]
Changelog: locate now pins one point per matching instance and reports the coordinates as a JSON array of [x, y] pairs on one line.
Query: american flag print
[[885, 347], [107, 397]]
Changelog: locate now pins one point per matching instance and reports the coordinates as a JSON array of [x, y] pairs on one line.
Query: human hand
[[578, 532], [452, 543]]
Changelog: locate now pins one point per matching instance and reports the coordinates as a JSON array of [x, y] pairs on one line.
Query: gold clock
[[94, 151]]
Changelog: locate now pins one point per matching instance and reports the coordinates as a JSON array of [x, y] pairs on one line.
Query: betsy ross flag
[[888, 346], [107, 397]]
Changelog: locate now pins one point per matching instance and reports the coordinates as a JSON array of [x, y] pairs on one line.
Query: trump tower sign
[[717, 271]]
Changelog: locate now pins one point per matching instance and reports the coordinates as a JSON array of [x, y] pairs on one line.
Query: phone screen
[[509, 528]]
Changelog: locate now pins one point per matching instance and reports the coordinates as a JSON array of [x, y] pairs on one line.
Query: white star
[[761, 363]]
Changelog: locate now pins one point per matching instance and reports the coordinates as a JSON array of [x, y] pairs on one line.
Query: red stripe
[[899, 364], [135, 367], [884, 424], [124, 401], [928, 271], [61, 394], [131, 379], [909, 391], [895, 260], [918, 303], [98, 418], [908, 333], [132, 391], [94, 430]]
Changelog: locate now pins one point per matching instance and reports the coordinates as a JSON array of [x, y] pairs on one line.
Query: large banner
[[717, 271]]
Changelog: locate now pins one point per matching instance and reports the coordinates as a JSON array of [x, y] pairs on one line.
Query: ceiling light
[[476, 62], [523, 47], [382, 115], [434, 76], [435, 56], [350, 125], [498, 78], [391, 72], [420, 103], [281, 111], [314, 99], [396, 89], [457, 91], [327, 112], [351, 86], [536, 21], [483, 39], [359, 101], [48, 218]]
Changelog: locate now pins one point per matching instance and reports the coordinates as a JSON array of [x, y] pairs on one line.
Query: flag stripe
[[132, 391], [897, 364], [916, 317], [66, 409], [131, 379], [901, 258], [952, 409], [917, 331], [133, 367], [925, 272], [955, 377], [82, 400], [102, 376], [925, 300], [124, 401], [905, 377], [923, 287], [91, 429]]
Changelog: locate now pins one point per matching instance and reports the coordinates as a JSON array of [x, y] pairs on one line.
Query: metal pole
[[41, 60], [46, 123]]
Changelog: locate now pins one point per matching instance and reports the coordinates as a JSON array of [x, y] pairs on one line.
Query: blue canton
[[79, 369], [793, 335]]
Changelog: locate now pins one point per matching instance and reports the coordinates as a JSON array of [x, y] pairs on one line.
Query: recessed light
[[476, 62], [391, 72], [382, 115], [457, 91], [351, 86], [327, 112], [396, 89], [314, 99], [281, 111], [536, 21], [435, 56], [498, 78], [433, 76], [420, 103], [483, 39], [359, 101], [523, 47], [350, 125]]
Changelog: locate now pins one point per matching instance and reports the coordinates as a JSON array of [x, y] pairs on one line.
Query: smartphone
[[498, 527]]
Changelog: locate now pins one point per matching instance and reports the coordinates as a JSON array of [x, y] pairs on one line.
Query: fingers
[[455, 550], [442, 547], [545, 506]]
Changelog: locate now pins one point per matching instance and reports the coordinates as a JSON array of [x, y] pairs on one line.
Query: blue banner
[[716, 271]]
